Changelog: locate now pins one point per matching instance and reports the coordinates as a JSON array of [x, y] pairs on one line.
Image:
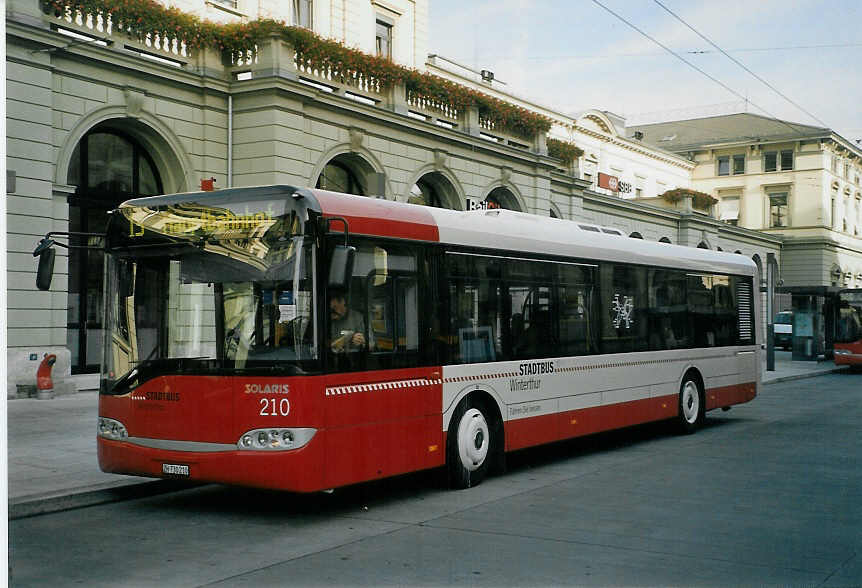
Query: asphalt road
[[769, 493]]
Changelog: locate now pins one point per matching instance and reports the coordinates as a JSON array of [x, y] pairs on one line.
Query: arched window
[[502, 197], [341, 175], [434, 189], [664, 240], [636, 235], [702, 245], [107, 167]]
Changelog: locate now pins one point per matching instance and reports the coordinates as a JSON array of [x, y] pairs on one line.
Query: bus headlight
[[842, 352], [111, 429], [275, 439]]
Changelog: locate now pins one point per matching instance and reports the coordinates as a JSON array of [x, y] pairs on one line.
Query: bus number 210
[[274, 407]]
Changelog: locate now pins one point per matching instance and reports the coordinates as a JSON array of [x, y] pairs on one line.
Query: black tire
[[471, 446], [692, 405]]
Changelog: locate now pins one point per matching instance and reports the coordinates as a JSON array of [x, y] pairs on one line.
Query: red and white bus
[[848, 332], [232, 355]]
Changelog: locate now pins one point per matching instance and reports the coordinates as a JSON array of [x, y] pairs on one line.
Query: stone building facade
[[794, 181], [95, 117]]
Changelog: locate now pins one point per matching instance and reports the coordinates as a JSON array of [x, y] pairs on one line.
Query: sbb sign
[[614, 184]]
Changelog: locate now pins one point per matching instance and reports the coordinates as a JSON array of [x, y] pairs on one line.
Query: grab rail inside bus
[[341, 219]]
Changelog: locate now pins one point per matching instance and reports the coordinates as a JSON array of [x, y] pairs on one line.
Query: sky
[[574, 55]]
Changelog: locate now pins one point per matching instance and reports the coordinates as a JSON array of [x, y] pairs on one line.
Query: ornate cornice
[[627, 145]]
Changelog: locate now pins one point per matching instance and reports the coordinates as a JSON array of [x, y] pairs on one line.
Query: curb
[[39, 504], [841, 368]]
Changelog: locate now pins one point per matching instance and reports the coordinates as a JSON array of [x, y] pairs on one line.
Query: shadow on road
[[286, 507]]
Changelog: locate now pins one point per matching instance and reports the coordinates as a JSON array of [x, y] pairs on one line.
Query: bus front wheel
[[469, 445], [692, 409]]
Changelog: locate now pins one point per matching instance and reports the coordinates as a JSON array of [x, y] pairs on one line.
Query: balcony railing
[[266, 48]]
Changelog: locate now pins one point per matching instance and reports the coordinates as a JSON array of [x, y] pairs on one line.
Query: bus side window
[[725, 311], [385, 292], [476, 322], [575, 315], [624, 301], [667, 310], [700, 311]]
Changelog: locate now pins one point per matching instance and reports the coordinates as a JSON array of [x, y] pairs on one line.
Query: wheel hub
[[690, 402], [473, 439]]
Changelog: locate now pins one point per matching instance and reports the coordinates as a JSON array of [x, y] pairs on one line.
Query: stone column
[[28, 12], [470, 121], [208, 63], [275, 57], [396, 98], [540, 143]]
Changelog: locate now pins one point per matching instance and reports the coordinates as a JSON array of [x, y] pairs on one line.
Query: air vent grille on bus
[[743, 295]]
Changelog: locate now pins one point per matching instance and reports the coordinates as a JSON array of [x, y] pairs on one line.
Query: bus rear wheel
[[692, 409], [470, 445]]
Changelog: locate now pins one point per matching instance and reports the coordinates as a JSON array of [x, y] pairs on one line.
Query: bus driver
[[346, 326]]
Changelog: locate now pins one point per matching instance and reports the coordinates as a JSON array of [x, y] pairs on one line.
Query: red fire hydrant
[[44, 382]]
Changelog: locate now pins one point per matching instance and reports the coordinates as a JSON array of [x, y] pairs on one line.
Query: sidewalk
[[52, 449]]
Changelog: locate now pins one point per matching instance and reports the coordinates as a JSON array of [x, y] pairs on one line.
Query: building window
[[729, 210], [434, 189], [384, 39], [724, 165], [778, 209], [772, 159], [302, 13], [337, 176]]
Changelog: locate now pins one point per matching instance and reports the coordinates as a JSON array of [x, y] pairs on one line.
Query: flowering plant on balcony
[[141, 19], [700, 200], [514, 119], [563, 150]]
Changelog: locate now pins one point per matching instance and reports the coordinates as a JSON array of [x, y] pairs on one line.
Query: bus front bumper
[[296, 470], [844, 357]]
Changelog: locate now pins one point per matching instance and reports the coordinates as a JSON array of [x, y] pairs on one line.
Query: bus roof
[[521, 232], [502, 230]]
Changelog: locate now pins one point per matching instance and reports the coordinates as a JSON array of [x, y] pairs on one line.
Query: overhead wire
[[737, 62], [500, 57], [695, 67]]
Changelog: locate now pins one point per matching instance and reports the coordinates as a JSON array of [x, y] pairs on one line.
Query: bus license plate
[[173, 469]]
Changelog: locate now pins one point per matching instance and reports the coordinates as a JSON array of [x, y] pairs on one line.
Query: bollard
[[44, 383]]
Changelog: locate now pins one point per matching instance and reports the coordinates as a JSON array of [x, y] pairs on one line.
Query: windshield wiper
[[126, 380]]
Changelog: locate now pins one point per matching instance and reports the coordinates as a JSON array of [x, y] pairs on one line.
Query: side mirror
[[46, 269], [341, 267]]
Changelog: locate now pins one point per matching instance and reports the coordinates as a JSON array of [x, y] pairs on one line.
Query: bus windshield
[[208, 300]]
